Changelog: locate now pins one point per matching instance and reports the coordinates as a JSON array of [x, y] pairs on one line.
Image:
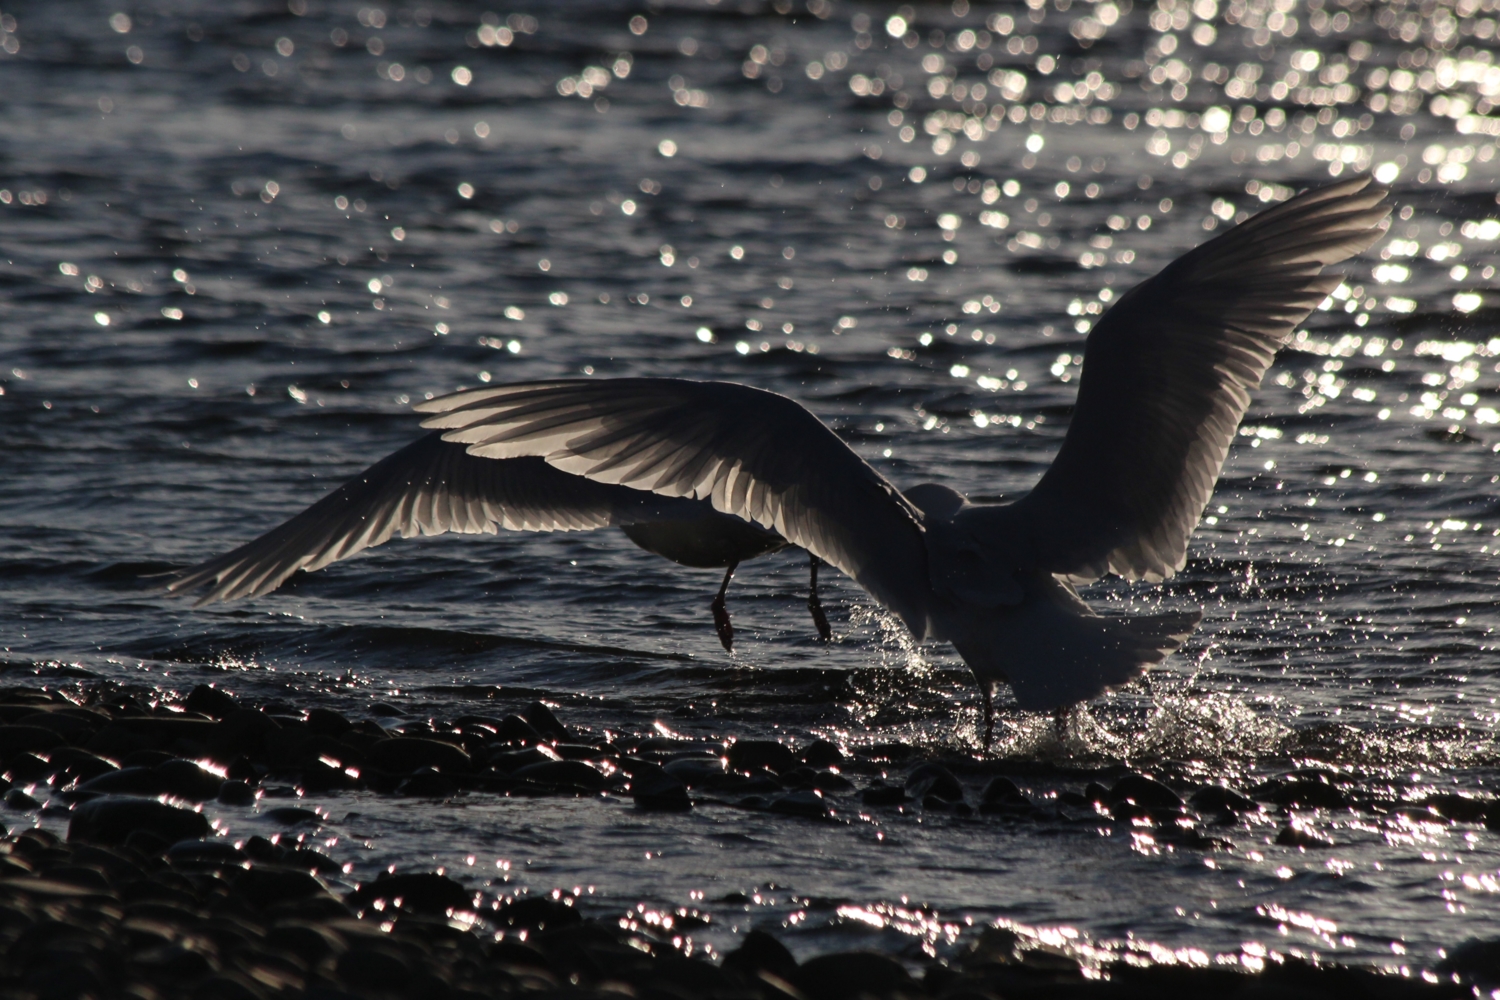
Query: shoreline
[[143, 886]]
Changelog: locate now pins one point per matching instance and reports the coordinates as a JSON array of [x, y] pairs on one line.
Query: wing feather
[[1168, 376], [427, 488], [751, 453]]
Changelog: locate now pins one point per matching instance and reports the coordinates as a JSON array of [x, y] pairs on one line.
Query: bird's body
[[1167, 378]]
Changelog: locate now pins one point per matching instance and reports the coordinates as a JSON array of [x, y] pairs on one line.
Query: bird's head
[[936, 501]]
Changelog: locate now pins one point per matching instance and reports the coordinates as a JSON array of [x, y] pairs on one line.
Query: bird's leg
[[814, 605], [721, 613], [989, 714]]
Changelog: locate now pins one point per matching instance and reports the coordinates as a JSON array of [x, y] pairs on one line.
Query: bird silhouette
[[1167, 376]]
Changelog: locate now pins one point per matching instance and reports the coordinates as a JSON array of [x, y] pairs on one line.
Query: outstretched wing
[[427, 488], [752, 453], [1168, 375]]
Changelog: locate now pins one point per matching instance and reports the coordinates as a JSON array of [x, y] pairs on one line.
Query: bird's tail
[[1053, 657]]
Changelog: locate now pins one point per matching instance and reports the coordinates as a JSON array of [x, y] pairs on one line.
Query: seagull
[[432, 486], [1167, 377]]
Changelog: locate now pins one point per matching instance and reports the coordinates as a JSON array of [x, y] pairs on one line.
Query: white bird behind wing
[[1167, 379]]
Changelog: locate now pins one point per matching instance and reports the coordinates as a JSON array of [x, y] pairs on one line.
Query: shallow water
[[236, 243]]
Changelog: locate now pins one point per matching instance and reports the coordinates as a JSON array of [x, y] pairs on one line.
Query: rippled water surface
[[237, 240]]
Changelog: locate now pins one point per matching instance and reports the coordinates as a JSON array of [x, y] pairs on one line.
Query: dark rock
[[1000, 789], [1476, 958], [73, 728], [934, 779], [1310, 793], [211, 701], [236, 793], [111, 820], [1143, 791], [266, 885], [79, 765], [25, 768], [654, 789], [823, 780], [822, 753], [513, 728], [291, 815], [1218, 798], [1096, 792], [1003, 796], [565, 772], [1297, 835], [694, 771], [752, 755], [418, 892], [127, 781], [187, 780], [428, 783], [510, 761], [366, 967], [541, 717], [854, 974], [242, 731], [209, 852], [309, 942], [881, 794], [509, 951], [1458, 808], [536, 913], [327, 722], [807, 803], [21, 802], [580, 751], [22, 739], [760, 952], [406, 754], [145, 758], [318, 777]]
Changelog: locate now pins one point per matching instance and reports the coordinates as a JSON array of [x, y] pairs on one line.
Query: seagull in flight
[[1167, 377], [433, 486]]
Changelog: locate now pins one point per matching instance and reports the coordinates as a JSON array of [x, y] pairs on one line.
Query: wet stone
[[537, 913], [806, 802], [760, 952], [850, 975], [112, 820], [822, 753], [211, 701], [881, 794], [186, 780], [429, 783], [934, 780], [655, 790], [418, 892], [751, 755], [291, 815], [565, 772], [510, 761], [513, 728], [546, 723], [21, 802], [327, 722], [403, 755], [1310, 793], [1218, 798], [1143, 791], [694, 771], [28, 767], [1298, 835]]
